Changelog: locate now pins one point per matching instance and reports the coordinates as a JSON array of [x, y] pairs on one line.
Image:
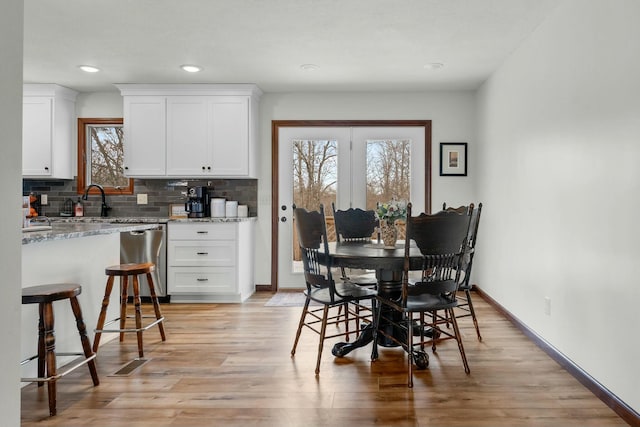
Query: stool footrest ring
[[144, 328], [68, 369]]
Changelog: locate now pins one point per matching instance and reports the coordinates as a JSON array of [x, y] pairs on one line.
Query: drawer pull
[[203, 253], [202, 280], [202, 232]]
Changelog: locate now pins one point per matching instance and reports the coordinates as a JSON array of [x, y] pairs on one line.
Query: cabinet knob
[[202, 280], [126, 168], [203, 168], [46, 168], [202, 253]]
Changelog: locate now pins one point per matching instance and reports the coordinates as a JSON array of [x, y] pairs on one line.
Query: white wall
[[99, 105], [453, 120], [11, 29], [559, 148]]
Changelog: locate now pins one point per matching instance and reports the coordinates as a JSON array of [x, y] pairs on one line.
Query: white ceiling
[[358, 45]]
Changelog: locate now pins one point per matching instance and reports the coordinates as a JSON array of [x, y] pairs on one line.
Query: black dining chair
[[465, 304], [356, 225], [321, 287], [441, 239]]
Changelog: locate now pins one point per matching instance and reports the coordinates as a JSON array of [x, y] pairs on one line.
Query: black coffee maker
[[197, 205]]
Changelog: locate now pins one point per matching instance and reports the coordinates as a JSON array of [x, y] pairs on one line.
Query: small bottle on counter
[[79, 209]]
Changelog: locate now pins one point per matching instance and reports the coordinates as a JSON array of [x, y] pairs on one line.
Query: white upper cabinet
[[229, 127], [210, 130], [187, 136], [144, 129], [208, 135], [48, 131]]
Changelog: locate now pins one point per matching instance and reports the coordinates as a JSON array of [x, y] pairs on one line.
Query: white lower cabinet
[[210, 262]]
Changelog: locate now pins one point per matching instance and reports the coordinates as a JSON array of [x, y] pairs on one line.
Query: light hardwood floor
[[230, 364]]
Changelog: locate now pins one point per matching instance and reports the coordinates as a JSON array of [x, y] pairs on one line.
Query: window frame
[[83, 159]]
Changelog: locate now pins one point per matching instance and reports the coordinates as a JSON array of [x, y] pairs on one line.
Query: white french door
[[343, 153], [337, 140]]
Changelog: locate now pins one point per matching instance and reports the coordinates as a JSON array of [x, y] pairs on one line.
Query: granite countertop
[[68, 230], [108, 220], [144, 220], [230, 219], [73, 227]]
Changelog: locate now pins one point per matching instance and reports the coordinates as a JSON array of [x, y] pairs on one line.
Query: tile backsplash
[[160, 193]]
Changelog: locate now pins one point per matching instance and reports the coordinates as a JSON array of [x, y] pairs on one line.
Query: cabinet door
[[229, 130], [37, 135], [187, 153], [144, 136]]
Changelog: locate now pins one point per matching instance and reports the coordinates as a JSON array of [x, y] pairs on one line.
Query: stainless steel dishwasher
[[147, 246]]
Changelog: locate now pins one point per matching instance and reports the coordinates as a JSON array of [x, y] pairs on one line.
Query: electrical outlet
[[44, 200], [142, 199], [547, 306]]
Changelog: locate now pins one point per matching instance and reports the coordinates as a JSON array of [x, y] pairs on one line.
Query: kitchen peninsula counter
[[70, 252], [72, 230], [146, 219]]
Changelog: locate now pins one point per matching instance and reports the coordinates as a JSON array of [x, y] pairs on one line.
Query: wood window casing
[[83, 157]]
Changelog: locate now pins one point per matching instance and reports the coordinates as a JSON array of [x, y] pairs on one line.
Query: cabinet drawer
[[206, 253], [201, 280], [202, 231]]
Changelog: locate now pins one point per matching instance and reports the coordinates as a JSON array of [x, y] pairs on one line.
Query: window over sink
[[101, 155]]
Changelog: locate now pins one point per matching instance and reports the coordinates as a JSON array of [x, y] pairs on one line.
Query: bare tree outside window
[[388, 171], [101, 156], [107, 156], [314, 173]]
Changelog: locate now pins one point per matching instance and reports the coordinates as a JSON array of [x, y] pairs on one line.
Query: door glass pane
[[315, 175], [388, 171]]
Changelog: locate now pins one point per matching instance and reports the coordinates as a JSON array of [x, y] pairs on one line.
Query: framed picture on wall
[[453, 159]]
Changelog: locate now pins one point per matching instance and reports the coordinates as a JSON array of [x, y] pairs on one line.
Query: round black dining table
[[388, 264]]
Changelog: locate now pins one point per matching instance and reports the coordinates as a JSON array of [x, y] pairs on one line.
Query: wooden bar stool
[[124, 271], [44, 296]]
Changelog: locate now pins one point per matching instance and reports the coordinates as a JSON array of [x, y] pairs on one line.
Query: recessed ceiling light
[[89, 68], [191, 68], [433, 66], [309, 67]]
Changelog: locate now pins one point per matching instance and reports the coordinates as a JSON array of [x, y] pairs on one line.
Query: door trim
[[275, 128]]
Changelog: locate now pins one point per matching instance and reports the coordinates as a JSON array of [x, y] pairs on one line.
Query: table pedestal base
[[389, 286]]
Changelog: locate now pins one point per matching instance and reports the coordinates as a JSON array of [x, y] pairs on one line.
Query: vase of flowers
[[388, 213]]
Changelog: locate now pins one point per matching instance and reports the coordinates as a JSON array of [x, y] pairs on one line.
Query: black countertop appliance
[[198, 201]]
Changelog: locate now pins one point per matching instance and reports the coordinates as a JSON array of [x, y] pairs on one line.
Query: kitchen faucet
[[104, 209]]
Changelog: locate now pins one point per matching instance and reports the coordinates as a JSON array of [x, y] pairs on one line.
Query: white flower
[[392, 211]]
